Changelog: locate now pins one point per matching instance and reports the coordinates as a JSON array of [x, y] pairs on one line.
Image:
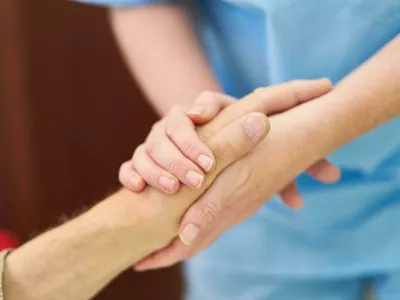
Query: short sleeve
[[125, 3]]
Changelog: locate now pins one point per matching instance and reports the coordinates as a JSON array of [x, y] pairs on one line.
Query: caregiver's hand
[[174, 152], [247, 184]]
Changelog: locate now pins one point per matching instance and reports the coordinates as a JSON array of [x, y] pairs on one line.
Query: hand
[[245, 186], [175, 144], [150, 220], [173, 152]]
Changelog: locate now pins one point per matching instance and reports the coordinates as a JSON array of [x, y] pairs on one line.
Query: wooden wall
[[70, 113]]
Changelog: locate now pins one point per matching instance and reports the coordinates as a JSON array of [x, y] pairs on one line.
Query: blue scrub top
[[346, 228]]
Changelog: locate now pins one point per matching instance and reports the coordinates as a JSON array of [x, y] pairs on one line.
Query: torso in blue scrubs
[[346, 230]]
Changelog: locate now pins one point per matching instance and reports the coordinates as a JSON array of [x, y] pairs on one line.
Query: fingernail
[[189, 233], [255, 126], [205, 162], [167, 183], [197, 110], [195, 179]]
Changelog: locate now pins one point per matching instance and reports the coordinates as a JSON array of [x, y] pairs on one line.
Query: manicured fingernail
[[255, 126], [205, 162], [195, 179], [189, 233], [167, 183], [197, 110]]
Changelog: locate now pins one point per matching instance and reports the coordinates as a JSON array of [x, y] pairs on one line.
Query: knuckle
[[170, 128], [172, 110], [173, 127], [147, 175], [175, 123], [224, 149], [177, 109], [206, 97], [150, 147], [243, 184], [189, 149], [293, 91], [175, 165], [138, 151], [258, 94], [259, 91], [190, 253], [156, 126], [208, 211], [295, 83], [243, 178]]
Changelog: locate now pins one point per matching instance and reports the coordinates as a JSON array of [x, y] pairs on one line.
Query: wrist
[[138, 224], [317, 128]]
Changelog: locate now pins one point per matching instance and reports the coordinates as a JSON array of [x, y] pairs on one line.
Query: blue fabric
[[347, 229], [344, 229], [214, 283]]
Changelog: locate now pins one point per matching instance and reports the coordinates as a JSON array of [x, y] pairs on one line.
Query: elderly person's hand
[[77, 259], [92, 249], [173, 152], [247, 184], [217, 203]]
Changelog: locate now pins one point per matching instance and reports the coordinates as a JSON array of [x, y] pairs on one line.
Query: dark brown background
[[69, 115]]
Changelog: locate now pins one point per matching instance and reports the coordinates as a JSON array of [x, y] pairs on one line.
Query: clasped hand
[[177, 152]]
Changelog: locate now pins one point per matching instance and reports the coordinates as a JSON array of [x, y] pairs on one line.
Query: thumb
[[231, 143], [208, 105], [228, 145], [238, 138], [269, 100]]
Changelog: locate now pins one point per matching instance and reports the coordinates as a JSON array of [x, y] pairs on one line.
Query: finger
[[152, 173], [168, 156], [163, 258], [207, 105], [238, 138], [182, 132], [324, 171], [291, 197], [130, 179], [270, 100], [176, 251], [291, 94], [233, 141]]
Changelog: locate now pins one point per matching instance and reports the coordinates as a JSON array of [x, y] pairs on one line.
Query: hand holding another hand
[[248, 183]]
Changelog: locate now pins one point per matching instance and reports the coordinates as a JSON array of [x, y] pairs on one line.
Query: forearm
[[78, 259], [162, 50], [364, 100]]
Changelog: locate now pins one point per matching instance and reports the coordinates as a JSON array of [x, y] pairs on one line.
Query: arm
[[161, 48], [77, 259], [362, 101], [169, 65]]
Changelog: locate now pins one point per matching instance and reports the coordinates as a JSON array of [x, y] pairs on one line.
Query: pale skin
[[76, 260], [362, 101], [171, 69]]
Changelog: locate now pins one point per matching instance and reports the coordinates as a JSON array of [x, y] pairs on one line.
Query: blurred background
[[70, 113]]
